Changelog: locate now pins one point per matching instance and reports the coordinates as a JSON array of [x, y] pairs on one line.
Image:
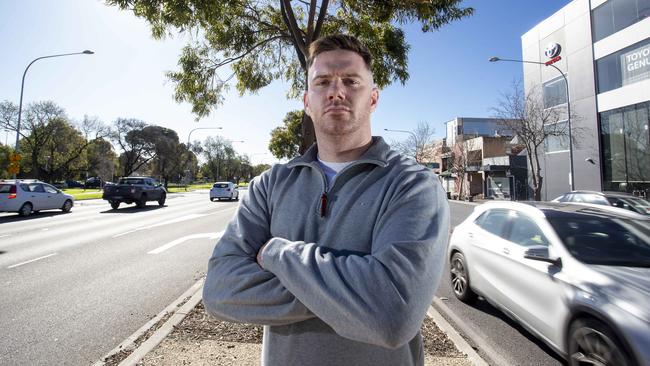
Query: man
[[339, 252]]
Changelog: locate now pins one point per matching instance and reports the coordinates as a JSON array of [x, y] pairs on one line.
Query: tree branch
[[290, 20], [321, 18], [310, 22]]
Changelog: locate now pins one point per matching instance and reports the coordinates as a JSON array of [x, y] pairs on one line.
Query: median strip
[[30, 261]]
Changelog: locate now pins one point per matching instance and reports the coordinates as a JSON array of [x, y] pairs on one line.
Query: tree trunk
[[308, 133]]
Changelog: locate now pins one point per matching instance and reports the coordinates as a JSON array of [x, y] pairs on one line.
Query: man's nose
[[336, 90]]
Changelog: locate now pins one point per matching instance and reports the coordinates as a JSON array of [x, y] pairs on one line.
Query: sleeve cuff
[[272, 251]]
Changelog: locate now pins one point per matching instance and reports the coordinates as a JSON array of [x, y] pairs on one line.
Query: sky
[[450, 75]]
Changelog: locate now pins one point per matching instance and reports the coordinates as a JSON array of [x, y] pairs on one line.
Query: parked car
[[137, 190], [94, 182], [73, 184], [576, 276], [27, 196], [221, 190], [616, 199]]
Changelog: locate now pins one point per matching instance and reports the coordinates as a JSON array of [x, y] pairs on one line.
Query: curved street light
[[22, 87], [568, 108], [200, 128]]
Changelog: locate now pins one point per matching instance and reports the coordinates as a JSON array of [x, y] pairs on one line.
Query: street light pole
[[568, 109], [200, 128], [22, 87], [190, 134], [415, 138]]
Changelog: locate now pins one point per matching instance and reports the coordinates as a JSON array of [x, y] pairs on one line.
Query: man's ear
[[374, 98], [305, 103]]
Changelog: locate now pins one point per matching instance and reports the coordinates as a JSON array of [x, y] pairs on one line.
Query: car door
[[53, 199], [38, 196], [532, 293], [485, 260]]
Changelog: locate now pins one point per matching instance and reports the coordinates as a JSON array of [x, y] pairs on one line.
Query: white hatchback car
[[32, 196], [221, 190], [576, 276]]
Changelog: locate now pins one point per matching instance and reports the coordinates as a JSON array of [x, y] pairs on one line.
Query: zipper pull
[[323, 204]]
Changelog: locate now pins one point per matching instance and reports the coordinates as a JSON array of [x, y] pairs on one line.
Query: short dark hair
[[339, 42]]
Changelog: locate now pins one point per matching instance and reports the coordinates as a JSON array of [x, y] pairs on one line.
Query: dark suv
[[94, 182]]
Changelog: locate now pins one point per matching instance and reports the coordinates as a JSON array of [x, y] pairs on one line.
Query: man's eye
[[351, 82]]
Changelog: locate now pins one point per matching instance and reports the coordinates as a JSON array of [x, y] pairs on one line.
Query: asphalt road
[[73, 286], [497, 338]]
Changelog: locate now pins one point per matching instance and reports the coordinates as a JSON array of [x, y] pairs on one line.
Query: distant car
[[616, 199], [94, 182], [576, 276], [29, 196], [136, 190], [73, 184], [221, 190]]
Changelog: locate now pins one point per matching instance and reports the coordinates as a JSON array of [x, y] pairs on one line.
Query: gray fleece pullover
[[349, 270]]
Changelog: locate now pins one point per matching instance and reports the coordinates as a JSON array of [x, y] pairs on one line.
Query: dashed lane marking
[[172, 221], [31, 260], [184, 239]]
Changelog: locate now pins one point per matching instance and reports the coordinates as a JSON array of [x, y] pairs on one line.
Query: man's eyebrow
[[345, 75]]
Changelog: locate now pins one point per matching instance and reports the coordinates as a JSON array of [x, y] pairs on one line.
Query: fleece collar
[[376, 154]]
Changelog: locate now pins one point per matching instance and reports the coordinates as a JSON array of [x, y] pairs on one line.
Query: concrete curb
[[457, 339], [492, 355], [178, 314]]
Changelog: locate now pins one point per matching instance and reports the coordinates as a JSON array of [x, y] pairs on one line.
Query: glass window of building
[[554, 92], [627, 66], [557, 138], [625, 140], [615, 15]]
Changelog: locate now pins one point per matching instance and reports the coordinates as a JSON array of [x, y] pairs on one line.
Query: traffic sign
[[15, 157]]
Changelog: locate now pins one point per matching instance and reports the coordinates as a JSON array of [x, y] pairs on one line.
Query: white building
[[605, 54]]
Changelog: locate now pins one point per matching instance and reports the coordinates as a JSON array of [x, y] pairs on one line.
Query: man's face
[[341, 94]]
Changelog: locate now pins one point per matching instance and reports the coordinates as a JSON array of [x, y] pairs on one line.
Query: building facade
[[478, 159], [604, 52]]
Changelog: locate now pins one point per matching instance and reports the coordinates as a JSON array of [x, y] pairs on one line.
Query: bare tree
[[419, 143], [533, 125], [463, 152]]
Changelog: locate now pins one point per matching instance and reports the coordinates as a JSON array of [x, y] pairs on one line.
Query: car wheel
[[460, 279], [161, 201], [115, 204], [67, 205], [25, 209], [142, 201], [211, 199], [237, 197], [591, 342]]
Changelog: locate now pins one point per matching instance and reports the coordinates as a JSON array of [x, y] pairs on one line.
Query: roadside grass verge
[[80, 194]]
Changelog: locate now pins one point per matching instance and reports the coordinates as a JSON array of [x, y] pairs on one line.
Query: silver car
[[576, 276], [226, 190], [29, 196]]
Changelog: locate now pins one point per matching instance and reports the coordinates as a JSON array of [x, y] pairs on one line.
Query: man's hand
[[259, 254]]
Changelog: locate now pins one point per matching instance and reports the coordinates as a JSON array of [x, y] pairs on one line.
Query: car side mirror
[[541, 253]]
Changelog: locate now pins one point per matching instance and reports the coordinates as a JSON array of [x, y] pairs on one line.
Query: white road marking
[[5, 235], [172, 221], [30, 261], [184, 239]]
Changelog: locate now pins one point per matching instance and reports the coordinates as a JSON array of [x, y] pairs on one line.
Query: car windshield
[[131, 181], [220, 185], [605, 240], [636, 204]]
